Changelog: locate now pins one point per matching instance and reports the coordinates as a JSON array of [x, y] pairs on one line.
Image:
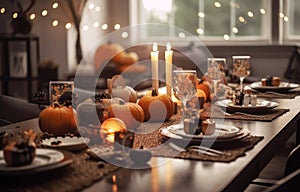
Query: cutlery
[[209, 150], [199, 149], [238, 113]]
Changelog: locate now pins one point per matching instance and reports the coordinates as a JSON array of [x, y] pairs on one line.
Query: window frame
[[135, 7]]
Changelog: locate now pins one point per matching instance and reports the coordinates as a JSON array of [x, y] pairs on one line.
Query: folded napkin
[[275, 95]]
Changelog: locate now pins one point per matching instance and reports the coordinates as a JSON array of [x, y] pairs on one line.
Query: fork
[[198, 147], [238, 113]]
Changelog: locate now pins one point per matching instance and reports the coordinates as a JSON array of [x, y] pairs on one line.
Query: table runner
[[270, 95], [156, 143], [81, 173], [267, 116]]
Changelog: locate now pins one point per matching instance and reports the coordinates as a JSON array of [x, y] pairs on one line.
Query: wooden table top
[[192, 175]]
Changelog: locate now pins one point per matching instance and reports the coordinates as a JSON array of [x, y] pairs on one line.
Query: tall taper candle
[[154, 62], [168, 60]]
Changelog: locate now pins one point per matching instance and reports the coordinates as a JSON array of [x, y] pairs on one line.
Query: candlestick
[[168, 59], [154, 62]]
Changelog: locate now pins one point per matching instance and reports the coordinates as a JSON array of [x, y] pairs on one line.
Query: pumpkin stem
[[56, 104], [154, 92], [121, 102]]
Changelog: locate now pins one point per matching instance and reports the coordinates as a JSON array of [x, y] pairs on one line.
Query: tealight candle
[[154, 62], [168, 60]]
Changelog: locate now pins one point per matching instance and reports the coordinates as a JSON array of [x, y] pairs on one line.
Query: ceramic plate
[[184, 140], [221, 132], [67, 143], [283, 87], [260, 107], [46, 159]]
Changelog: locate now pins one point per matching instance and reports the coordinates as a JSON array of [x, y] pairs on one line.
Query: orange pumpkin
[[203, 85], [157, 107], [106, 52], [125, 58], [130, 113], [58, 120]]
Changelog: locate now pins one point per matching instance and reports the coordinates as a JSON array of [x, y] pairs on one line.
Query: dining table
[[184, 174]]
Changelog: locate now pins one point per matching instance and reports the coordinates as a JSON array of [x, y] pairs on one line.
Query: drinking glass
[[241, 67], [215, 68], [184, 87]]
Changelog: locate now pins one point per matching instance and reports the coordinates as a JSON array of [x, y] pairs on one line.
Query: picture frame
[[18, 64], [57, 89]]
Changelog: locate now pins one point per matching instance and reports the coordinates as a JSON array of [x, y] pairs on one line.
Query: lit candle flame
[[154, 48], [168, 46]]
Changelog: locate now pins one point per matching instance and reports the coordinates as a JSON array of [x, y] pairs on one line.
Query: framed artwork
[[18, 64], [61, 92]]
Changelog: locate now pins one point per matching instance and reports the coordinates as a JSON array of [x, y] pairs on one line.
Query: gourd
[[157, 107], [94, 110], [130, 113], [117, 87], [58, 120]]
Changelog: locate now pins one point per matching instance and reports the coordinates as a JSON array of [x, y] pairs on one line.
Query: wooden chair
[[13, 110], [290, 181]]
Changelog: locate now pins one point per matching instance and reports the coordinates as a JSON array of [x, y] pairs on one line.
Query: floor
[[275, 168]]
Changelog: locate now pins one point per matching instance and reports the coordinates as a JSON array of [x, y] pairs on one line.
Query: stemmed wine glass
[[184, 87], [241, 68], [215, 67]]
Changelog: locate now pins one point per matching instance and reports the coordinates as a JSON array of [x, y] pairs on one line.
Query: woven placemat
[[212, 111], [81, 173], [270, 95], [151, 138]]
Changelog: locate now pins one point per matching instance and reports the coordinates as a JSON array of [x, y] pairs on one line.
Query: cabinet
[[19, 57]]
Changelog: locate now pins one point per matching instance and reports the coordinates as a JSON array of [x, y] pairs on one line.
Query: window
[[290, 20], [210, 20]]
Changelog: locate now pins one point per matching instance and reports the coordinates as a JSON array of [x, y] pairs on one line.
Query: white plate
[[45, 158], [67, 143], [260, 107], [221, 132], [283, 87], [184, 140]]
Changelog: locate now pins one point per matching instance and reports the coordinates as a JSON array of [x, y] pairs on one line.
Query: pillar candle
[[154, 63], [168, 60]]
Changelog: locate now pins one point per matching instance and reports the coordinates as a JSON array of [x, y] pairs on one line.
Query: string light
[[262, 11], [181, 35], [281, 15], [54, 22], [235, 30], [201, 14], [2, 10], [285, 18], [200, 31], [97, 8], [104, 26], [91, 6], [32, 16], [124, 35], [14, 15], [55, 5], [96, 24], [217, 4], [85, 28], [242, 19], [250, 14], [68, 25], [44, 12], [226, 37], [117, 26]]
